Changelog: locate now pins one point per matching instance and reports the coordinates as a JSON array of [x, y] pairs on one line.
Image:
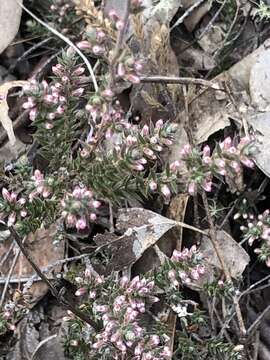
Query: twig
[[256, 346], [212, 236], [254, 326], [28, 52], [44, 278], [206, 29], [6, 255], [119, 44], [67, 41], [180, 80], [229, 31], [187, 13], [41, 344], [8, 277]]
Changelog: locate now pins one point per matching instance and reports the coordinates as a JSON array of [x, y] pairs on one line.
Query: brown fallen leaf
[[44, 253], [142, 229], [235, 257], [4, 118]]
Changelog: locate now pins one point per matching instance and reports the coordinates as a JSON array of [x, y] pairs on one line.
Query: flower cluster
[[120, 305], [226, 160], [99, 40], [11, 207], [259, 229], [185, 266], [61, 8], [79, 208], [49, 101], [9, 315], [40, 186]]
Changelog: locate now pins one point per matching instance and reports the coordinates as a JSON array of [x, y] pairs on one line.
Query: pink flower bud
[[23, 213], [145, 130], [133, 79], [96, 204], [159, 124], [227, 143], [48, 126], [33, 114], [84, 45], [81, 224], [60, 109], [186, 150], [192, 188], [98, 50], [121, 70], [78, 92], [108, 93], [6, 194], [152, 185], [57, 69], [175, 166], [80, 292], [79, 71], [11, 219], [93, 217], [48, 99], [206, 151], [166, 192]]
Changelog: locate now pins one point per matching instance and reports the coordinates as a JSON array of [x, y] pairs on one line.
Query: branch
[[212, 236], [44, 278], [67, 41], [119, 43]]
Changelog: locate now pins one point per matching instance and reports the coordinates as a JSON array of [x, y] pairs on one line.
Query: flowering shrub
[[96, 158], [258, 228], [120, 305]]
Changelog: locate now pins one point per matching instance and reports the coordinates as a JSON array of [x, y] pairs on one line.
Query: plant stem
[[44, 278], [213, 239]]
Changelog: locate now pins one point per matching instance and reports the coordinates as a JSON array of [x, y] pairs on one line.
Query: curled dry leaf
[[142, 229], [4, 118], [235, 257], [10, 15]]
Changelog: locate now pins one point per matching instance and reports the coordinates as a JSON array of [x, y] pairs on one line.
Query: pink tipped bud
[[48, 126], [133, 79], [11, 219], [206, 151], [33, 114], [78, 92], [84, 45], [166, 192], [6, 194], [153, 185], [81, 224], [159, 124], [108, 93], [98, 50], [79, 71], [80, 292], [93, 217], [145, 130], [121, 70], [192, 188], [57, 69], [23, 213]]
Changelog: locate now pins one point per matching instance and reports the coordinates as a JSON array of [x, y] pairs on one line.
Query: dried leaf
[[43, 250], [4, 118], [142, 229], [259, 84], [10, 15], [261, 125], [235, 257]]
